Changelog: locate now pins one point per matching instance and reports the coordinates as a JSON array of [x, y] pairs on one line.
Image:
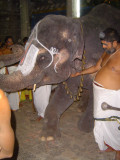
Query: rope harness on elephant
[[80, 90]]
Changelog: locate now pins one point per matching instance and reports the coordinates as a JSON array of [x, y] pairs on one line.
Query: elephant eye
[[42, 57]]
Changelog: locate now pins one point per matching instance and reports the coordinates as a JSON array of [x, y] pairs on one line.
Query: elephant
[[58, 46]]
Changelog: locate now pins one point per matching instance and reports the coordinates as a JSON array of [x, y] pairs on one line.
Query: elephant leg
[[59, 102], [86, 122], [83, 103]]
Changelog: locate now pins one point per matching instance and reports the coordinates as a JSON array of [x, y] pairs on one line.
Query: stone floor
[[73, 145]]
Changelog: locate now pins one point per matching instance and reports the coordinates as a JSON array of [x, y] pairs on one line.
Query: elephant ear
[[78, 54], [79, 48], [77, 57]]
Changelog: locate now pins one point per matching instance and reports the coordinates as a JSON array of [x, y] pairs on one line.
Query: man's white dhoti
[[106, 131], [13, 98], [41, 99]]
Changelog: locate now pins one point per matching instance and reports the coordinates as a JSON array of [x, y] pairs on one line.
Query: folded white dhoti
[[106, 131], [13, 98], [41, 99]]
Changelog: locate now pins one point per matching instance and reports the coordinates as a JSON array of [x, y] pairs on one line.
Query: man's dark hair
[[110, 35], [7, 37], [25, 39]]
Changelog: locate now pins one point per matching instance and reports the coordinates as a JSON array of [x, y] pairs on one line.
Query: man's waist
[[111, 118], [97, 84]]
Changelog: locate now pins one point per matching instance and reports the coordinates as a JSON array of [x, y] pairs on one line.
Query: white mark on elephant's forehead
[[42, 50], [64, 34], [29, 61], [62, 57]]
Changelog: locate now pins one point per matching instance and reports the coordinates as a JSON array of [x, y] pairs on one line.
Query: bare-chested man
[[106, 88], [6, 131]]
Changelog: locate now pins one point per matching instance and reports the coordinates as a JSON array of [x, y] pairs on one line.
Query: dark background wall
[[10, 13], [9, 19]]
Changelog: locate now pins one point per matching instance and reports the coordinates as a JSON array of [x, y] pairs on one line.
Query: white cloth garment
[[41, 99], [106, 131], [2, 70], [13, 98]]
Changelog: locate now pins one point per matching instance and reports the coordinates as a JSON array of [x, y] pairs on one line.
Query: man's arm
[[6, 131], [90, 70]]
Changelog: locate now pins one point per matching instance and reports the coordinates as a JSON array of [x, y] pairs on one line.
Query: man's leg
[[117, 156], [109, 149]]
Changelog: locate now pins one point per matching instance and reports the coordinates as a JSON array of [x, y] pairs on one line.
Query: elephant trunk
[[15, 57], [15, 82]]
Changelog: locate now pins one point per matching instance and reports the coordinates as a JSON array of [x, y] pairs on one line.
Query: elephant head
[[55, 42]]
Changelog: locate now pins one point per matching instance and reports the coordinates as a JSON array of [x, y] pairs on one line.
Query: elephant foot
[[47, 137], [50, 134]]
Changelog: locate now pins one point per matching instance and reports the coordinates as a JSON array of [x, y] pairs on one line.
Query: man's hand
[[75, 74]]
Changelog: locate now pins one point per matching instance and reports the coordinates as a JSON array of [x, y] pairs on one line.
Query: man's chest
[[113, 62]]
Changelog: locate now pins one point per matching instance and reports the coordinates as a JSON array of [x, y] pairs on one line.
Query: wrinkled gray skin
[[64, 34]]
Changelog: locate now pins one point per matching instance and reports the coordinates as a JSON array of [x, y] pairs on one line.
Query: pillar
[[24, 18], [73, 8]]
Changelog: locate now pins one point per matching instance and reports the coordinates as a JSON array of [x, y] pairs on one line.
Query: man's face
[[9, 42], [108, 47]]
